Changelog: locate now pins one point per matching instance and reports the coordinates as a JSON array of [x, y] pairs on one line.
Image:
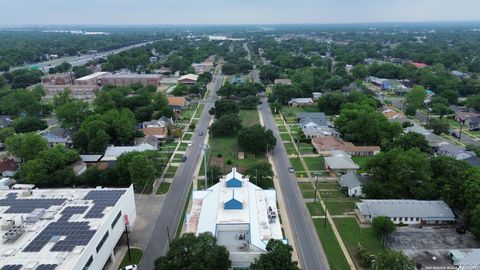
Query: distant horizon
[[239, 12]]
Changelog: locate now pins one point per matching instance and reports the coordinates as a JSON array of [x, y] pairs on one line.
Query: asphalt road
[[172, 209], [79, 60], [309, 249]]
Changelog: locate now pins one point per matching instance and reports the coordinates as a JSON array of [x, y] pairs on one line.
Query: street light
[[326, 208], [205, 149], [428, 114], [316, 188]]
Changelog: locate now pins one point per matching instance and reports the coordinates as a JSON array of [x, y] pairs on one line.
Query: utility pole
[[326, 208], [205, 148], [316, 188], [256, 177], [460, 133], [428, 114]]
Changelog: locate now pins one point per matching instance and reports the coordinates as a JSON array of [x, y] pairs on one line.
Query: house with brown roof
[[160, 133], [324, 146], [8, 167], [391, 114], [188, 79], [177, 103]]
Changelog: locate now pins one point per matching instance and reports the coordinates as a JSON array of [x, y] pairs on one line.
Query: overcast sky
[[21, 12]]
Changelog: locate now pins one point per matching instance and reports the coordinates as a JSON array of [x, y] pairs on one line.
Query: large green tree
[[227, 124], [142, 171], [26, 145], [28, 124], [69, 111], [278, 257], [224, 106], [394, 260], [256, 139], [383, 226], [194, 252], [415, 98], [260, 174]]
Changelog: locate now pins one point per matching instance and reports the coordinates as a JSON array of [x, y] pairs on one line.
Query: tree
[[142, 171], [21, 102], [400, 174], [383, 226], [194, 252], [364, 125], [283, 93], [249, 102], [437, 126], [278, 256], [359, 72], [227, 124], [5, 133], [416, 97], [26, 145], [394, 260], [332, 102], [256, 139], [28, 124], [224, 106], [69, 111], [441, 110], [474, 224], [50, 168], [409, 141], [260, 173]]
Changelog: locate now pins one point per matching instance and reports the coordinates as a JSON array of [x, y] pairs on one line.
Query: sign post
[[125, 218]]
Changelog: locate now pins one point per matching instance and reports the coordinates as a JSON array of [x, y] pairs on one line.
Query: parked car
[[291, 169], [201, 133], [130, 267], [461, 229], [189, 144], [184, 158]]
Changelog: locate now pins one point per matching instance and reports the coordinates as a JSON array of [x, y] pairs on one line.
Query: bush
[[219, 155], [229, 162]]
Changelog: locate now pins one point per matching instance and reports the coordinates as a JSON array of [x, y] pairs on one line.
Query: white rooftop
[[406, 208], [113, 152], [92, 76], [192, 77], [233, 207], [58, 225]]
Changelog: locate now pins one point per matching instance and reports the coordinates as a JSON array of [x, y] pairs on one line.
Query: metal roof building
[[406, 211], [242, 216]]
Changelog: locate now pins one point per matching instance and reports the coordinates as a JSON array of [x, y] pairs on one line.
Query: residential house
[[409, 212], [454, 151], [188, 79], [463, 116], [312, 119], [58, 136], [339, 162], [8, 167], [283, 81], [113, 152], [473, 123], [419, 65], [163, 70], [417, 129], [353, 183], [324, 145], [465, 259], [177, 103], [316, 95], [162, 122], [392, 114], [460, 75], [241, 216], [311, 132], [300, 102]]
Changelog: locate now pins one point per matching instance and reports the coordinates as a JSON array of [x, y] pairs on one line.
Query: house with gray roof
[[353, 183], [465, 259], [306, 119], [58, 135], [454, 151], [5, 121], [339, 162], [300, 102], [409, 212]]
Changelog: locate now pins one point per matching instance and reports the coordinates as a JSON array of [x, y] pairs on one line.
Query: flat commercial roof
[[92, 76], [54, 226], [438, 210]]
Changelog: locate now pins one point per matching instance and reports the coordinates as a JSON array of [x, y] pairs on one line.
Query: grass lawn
[[163, 188], [199, 110], [328, 185], [334, 253], [291, 112], [338, 208], [352, 235], [361, 161], [136, 254], [249, 117], [282, 128], [332, 194], [187, 136], [183, 147], [315, 163], [307, 189], [285, 137], [315, 209], [184, 213], [297, 164], [170, 173]]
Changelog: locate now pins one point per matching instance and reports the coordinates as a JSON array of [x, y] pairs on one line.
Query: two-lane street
[[309, 249], [172, 209]]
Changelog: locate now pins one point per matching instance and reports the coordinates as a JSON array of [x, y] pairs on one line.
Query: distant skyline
[[151, 12]]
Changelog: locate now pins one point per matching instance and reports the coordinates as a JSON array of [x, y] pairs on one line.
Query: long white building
[[62, 229], [242, 216]]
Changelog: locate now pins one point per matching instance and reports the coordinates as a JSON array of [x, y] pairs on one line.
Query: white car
[[130, 267], [189, 144]]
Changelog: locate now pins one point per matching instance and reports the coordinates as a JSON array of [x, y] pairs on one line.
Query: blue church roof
[[233, 204], [234, 183]]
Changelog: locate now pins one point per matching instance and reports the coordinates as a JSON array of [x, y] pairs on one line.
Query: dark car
[[201, 133], [184, 158], [461, 229]]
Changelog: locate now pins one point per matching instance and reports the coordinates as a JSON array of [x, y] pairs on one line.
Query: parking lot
[[429, 246]]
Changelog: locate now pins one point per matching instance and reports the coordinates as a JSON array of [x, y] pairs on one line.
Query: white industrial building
[[408, 212], [62, 229], [242, 216]]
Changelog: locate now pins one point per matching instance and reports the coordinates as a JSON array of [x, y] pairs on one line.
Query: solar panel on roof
[[20, 206], [101, 200], [46, 267], [12, 267]]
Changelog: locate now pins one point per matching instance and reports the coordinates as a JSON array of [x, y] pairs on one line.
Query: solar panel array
[[12, 267], [75, 233], [22, 206], [46, 267], [101, 200]]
